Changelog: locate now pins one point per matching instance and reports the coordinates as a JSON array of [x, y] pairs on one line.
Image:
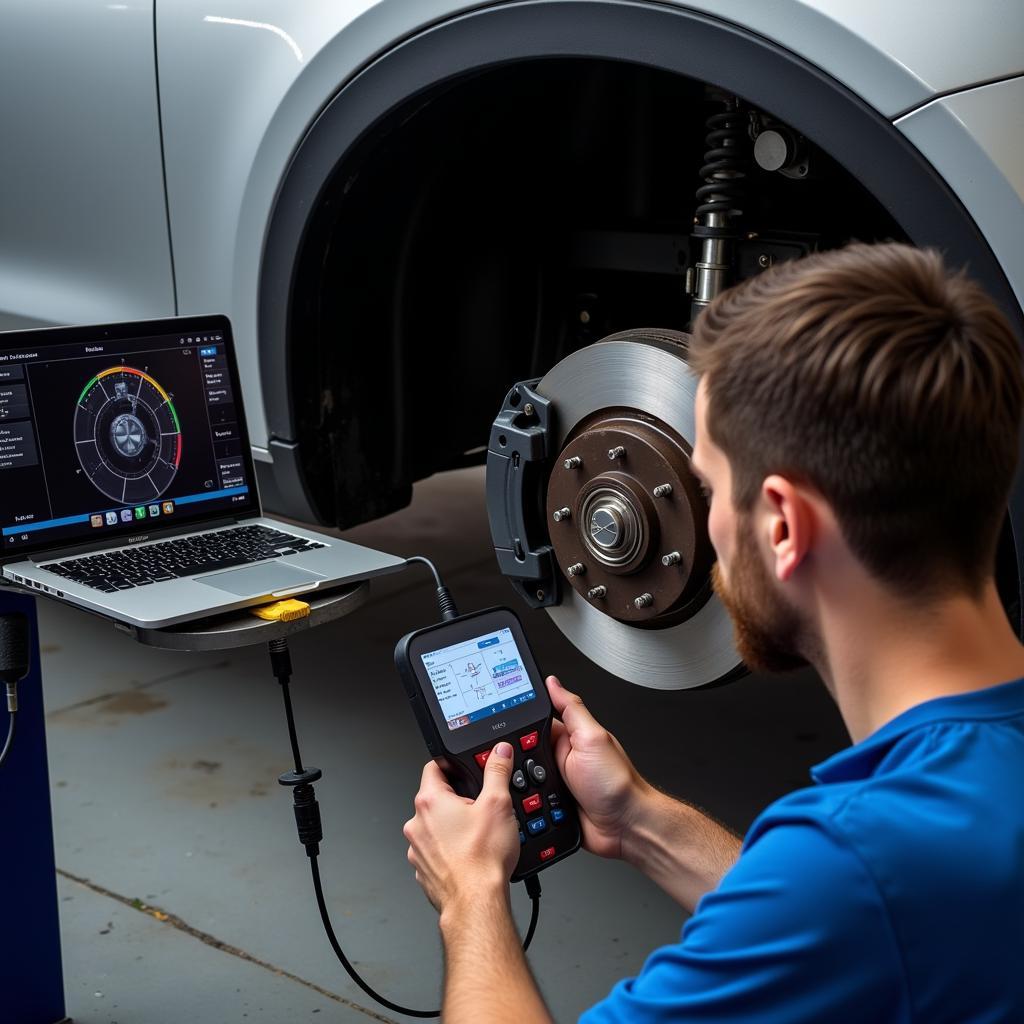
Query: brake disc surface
[[645, 373]]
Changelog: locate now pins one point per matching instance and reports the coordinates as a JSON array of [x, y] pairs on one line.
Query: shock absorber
[[718, 202]]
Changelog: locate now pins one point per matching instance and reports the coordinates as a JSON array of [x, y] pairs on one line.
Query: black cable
[[444, 596], [15, 660], [420, 560], [340, 954], [321, 903], [533, 891], [9, 742], [307, 810], [281, 660]]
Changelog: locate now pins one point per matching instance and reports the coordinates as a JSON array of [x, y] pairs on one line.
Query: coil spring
[[724, 167]]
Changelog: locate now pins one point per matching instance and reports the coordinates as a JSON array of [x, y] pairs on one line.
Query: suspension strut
[[718, 202]]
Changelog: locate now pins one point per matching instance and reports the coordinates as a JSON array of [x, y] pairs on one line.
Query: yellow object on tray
[[283, 611]]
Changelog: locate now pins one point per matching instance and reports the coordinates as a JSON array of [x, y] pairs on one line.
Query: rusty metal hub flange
[[635, 534]]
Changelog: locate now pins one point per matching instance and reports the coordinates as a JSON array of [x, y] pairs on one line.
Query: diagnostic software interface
[[478, 678], [102, 438]]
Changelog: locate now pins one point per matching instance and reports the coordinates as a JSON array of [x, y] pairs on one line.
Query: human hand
[[608, 788], [461, 847]]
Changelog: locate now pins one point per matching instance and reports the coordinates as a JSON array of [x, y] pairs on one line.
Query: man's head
[[867, 387]]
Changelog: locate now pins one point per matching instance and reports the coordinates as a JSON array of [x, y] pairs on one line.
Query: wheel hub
[[621, 503], [636, 524]]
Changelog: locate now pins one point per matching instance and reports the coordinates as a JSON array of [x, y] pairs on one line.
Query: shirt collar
[[863, 759]]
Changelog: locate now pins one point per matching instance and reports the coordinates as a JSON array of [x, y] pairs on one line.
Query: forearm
[[486, 974], [679, 848]]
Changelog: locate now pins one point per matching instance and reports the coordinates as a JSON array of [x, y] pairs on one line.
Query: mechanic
[[857, 429]]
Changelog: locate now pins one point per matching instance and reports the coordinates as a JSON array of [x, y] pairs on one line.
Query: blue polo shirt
[[893, 890]]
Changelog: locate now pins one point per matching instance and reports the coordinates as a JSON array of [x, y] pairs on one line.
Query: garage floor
[[184, 892]]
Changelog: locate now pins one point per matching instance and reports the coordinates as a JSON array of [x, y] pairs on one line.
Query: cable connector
[[12, 697], [280, 659], [307, 816], [446, 603], [283, 611]]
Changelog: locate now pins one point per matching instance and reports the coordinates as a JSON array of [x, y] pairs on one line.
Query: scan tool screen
[[478, 678], [118, 438]]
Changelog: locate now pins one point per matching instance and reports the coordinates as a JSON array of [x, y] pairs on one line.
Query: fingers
[[498, 770], [561, 742], [571, 708], [433, 779]]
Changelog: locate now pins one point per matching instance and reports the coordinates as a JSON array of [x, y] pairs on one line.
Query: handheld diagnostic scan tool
[[472, 682]]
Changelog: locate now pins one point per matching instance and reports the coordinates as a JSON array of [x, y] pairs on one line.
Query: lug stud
[[562, 513], [595, 593], [576, 569], [662, 490], [643, 601], [618, 452], [573, 462], [672, 558]]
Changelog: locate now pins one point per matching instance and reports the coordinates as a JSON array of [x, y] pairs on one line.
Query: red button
[[532, 803], [481, 758], [548, 853], [529, 741]]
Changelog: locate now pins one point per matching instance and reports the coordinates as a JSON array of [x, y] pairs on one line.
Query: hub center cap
[[614, 530], [606, 527]]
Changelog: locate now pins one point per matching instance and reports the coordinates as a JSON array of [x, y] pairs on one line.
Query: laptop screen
[[121, 430]]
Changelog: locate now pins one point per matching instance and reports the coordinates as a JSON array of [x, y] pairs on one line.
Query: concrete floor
[[185, 894]]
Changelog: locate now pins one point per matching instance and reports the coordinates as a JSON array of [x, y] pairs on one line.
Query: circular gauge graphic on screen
[[127, 435]]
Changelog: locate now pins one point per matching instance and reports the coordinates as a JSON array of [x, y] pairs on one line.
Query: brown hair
[[887, 383]]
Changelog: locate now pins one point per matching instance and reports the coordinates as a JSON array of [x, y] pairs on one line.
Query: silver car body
[[89, 233]]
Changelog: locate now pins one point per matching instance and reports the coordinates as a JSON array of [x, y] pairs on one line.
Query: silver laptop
[[126, 478]]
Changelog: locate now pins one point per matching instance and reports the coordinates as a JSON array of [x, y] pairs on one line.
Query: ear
[[792, 521]]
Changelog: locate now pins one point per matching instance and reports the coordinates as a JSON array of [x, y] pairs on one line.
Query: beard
[[770, 636]]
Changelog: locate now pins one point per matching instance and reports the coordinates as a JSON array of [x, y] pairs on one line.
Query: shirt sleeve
[[795, 932]]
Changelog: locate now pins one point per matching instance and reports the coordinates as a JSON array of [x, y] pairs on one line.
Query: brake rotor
[[626, 518]]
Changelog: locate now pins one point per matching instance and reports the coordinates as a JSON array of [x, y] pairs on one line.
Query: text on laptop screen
[[117, 435]]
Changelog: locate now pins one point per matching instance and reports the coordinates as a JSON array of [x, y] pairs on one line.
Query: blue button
[[536, 825], [522, 837], [557, 816]]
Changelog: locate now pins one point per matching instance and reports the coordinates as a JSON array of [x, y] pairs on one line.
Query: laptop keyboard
[[183, 556]]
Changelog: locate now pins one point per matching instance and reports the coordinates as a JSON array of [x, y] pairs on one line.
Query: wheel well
[[442, 233]]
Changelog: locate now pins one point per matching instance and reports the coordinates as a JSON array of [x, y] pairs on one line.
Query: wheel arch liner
[[670, 39]]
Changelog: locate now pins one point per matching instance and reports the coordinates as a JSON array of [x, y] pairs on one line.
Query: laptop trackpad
[[261, 580]]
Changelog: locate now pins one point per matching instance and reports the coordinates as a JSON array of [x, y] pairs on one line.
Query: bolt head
[[529, 409]]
